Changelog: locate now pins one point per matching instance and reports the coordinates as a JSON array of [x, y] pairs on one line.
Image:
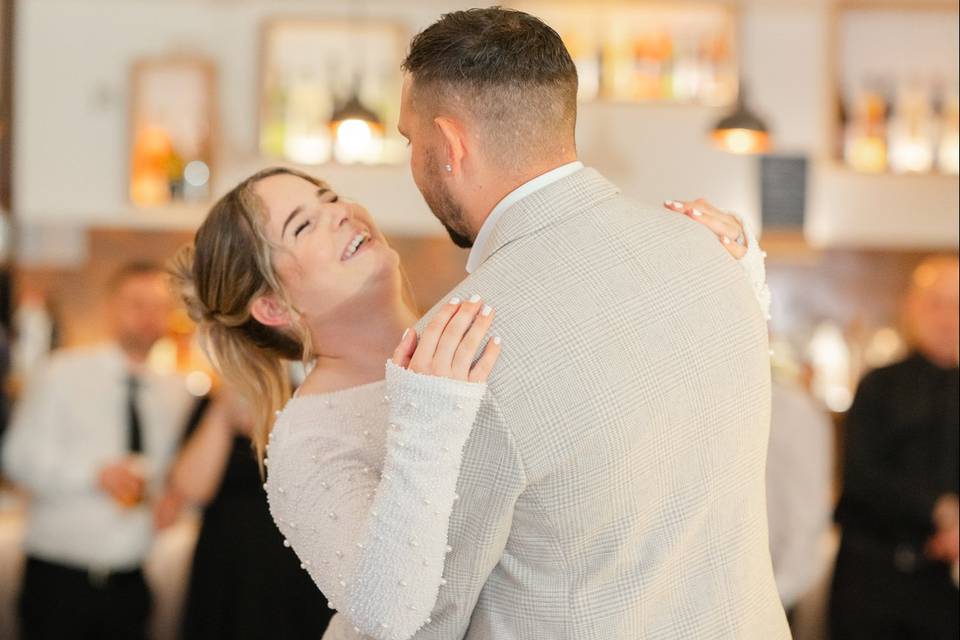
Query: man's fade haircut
[[507, 70]]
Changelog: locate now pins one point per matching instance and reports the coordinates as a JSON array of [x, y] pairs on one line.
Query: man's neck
[[135, 360], [488, 196]]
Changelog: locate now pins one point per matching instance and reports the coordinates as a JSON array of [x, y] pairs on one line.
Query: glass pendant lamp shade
[[356, 130], [742, 131]]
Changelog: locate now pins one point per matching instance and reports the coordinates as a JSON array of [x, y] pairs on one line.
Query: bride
[[362, 463]]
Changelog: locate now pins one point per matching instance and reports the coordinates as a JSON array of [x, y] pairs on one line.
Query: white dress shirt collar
[[515, 196]]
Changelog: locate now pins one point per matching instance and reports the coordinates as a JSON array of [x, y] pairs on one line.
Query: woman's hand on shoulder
[[450, 343], [727, 226]]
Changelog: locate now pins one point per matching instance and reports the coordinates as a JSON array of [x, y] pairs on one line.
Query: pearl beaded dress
[[361, 483]]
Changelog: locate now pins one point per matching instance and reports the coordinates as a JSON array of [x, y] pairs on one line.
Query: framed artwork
[[172, 111], [330, 91]]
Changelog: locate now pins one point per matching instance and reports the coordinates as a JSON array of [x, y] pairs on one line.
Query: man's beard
[[447, 210]]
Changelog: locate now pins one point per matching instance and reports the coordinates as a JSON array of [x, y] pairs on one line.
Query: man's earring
[[448, 168]]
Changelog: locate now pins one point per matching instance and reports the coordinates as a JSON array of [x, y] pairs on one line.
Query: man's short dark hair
[[132, 270], [508, 69]]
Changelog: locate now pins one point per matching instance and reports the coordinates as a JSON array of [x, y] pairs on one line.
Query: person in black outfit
[[244, 584], [898, 510]]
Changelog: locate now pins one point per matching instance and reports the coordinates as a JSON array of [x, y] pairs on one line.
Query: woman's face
[[335, 264]]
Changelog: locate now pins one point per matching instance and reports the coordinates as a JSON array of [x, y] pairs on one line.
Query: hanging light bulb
[[742, 131], [357, 132]]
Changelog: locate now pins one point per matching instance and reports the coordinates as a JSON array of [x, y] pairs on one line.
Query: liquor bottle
[[910, 132], [865, 141], [273, 126], [585, 57]]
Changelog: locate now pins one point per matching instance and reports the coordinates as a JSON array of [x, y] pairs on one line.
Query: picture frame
[[172, 130], [311, 70]]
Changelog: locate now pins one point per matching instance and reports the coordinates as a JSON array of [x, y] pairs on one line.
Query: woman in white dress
[[362, 463]]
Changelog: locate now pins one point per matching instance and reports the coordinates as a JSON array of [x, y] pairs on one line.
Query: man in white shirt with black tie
[[90, 441]]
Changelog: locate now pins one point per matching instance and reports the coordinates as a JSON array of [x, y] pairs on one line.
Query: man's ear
[[455, 138], [268, 311]]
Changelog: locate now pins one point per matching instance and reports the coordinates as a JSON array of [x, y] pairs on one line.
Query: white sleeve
[[376, 544], [753, 263], [36, 453]]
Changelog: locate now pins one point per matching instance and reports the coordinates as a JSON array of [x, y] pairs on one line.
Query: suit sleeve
[[491, 481]]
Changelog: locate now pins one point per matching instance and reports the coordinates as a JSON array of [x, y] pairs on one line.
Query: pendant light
[[742, 131], [357, 131]]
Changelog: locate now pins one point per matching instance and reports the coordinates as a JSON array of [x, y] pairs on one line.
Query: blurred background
[[831, 125]]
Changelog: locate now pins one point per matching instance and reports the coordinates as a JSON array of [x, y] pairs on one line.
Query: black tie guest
[[90, 442], [896, 567], [244, 583]]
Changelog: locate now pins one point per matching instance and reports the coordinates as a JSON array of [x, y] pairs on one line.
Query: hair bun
[[181, 273]]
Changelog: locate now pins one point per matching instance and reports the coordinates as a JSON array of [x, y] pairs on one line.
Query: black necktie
[[135, 438]]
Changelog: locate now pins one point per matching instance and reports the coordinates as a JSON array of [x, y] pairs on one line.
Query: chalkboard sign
[[783, 191]]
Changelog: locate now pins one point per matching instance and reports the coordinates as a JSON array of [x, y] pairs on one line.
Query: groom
[[613, 485]]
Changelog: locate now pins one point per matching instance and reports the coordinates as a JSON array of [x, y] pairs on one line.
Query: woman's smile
[[360, 241]]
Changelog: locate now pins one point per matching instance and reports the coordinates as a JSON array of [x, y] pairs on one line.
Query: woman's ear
[[268, 311]]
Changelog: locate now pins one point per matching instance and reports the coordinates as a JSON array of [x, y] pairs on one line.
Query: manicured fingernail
[[475, 298], [496, 340], [404, 336], [726, 240], [697, 212], [673, 204], [487, 309], [454, 300]]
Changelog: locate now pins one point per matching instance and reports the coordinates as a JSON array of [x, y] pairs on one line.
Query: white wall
[[73, 59]]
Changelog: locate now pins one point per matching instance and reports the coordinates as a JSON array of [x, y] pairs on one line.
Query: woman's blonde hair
[[228, 266]]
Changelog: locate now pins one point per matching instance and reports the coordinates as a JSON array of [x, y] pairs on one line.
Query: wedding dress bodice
[[361, 483]]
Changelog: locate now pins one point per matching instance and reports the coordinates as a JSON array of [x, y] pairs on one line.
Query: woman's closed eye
[[300, 227]]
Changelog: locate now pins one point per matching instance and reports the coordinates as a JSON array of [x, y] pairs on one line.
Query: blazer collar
[[548, 206]]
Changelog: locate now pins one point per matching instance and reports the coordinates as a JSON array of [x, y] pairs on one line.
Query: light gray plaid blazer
[[613, 485]]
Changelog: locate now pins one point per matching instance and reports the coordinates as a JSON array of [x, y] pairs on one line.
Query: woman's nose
[[340, 216]]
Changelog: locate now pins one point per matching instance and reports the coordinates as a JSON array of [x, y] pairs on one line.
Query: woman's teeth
[[358, 240]]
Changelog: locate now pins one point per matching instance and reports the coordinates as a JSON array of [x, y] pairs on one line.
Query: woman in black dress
[[244, 584]]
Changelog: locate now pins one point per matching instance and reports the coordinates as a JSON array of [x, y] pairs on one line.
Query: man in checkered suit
[[613, 485]]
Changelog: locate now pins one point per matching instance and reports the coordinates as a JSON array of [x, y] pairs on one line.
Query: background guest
[[799, 498], [244, 584], [90, 441], [898, 509]]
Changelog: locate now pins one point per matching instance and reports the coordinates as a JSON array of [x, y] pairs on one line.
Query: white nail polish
[[496, 340], [726, 240], [475, 298], [454, 300], [697, 212], [487, 309]]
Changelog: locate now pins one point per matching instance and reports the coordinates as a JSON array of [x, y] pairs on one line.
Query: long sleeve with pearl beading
[[363, 490], [753, 263]]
